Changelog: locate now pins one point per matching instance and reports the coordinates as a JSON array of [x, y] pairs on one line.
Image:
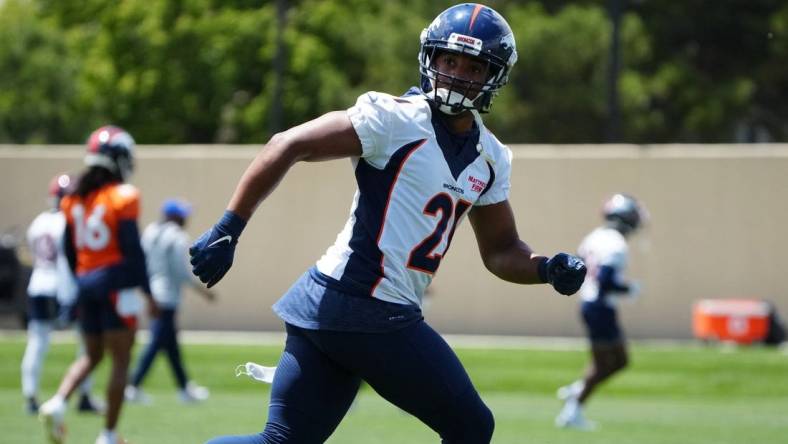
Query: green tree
[[202, 71], [37, 94], [715, 67]]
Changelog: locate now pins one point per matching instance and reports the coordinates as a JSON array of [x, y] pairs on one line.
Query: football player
[[49, 292], [102, 244], [422, 162], [606, 255]]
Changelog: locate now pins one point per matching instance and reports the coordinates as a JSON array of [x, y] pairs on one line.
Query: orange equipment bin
[[739, 320]]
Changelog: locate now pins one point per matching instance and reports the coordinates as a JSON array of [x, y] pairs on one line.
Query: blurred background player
[[422, 162], [166, 247], [103, 248], [606, 255], [50, 289]]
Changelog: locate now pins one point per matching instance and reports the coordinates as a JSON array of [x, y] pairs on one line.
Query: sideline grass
[[677, 394]]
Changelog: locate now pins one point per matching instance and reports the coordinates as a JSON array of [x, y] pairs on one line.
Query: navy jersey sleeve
[[608, 282], [133, 256]]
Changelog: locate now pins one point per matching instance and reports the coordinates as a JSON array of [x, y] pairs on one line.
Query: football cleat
[[572, 390], [571, 417], [87, 404], [113, 438], [576, 422], [52, 414], [31, 406], [193, 393], [136, 395]]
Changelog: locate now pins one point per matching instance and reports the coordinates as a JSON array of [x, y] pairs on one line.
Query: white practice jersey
[[602, 247], [414, 189], [51, 275]]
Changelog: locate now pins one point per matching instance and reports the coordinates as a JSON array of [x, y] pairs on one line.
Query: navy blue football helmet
[[474, 30], [624, 213]]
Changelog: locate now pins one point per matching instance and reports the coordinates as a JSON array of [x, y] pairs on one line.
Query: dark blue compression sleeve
[[69, 250], [133, 264]]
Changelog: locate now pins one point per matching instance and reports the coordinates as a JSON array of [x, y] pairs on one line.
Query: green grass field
[[670, 394]]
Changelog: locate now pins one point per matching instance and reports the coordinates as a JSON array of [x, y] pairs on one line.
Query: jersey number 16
[[91, 231]]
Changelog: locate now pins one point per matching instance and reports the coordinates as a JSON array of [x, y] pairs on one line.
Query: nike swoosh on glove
[[564, 272], [212, 253]]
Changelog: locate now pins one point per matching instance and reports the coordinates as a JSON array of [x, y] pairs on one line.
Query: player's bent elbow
[[495, 265], [489, 262], [277, 139], [284, 144]]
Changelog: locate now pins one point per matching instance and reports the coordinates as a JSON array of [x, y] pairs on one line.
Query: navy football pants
[[414, 368]]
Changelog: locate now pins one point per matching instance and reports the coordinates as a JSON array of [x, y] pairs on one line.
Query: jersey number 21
[[423, 257]]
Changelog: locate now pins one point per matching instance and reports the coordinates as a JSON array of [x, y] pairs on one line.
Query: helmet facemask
[[125, 165]]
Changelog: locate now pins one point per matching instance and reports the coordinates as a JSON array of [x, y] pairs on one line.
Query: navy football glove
[[212, 253], [564, 272]]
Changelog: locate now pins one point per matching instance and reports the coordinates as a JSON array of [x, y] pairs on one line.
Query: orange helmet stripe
[[476, 12]]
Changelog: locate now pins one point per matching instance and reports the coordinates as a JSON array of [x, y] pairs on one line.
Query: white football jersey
[[414, 189], [602, 247], [51, 275]]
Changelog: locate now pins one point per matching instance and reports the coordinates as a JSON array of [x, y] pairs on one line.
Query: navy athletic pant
[[413, 368], [164, 336]]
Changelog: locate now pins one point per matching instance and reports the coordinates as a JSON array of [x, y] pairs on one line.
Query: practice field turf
[[670, 394]]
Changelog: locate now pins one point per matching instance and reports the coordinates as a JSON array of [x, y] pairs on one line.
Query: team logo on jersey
[[456, 189], [477, 185]]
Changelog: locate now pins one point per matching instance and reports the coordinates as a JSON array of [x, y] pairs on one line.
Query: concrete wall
[[718, 216]]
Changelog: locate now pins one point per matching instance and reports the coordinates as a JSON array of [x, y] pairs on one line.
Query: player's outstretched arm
[[330, 136], [511, 259]]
